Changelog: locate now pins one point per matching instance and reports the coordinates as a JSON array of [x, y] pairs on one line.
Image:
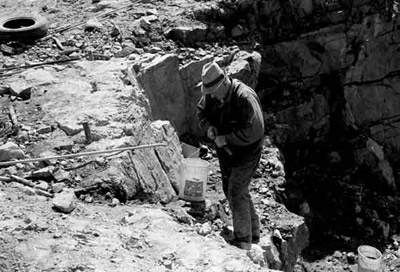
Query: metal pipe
[[38, 64], [7, 163]]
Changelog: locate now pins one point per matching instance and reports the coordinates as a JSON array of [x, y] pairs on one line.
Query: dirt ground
[[97, 237], [101, 236]]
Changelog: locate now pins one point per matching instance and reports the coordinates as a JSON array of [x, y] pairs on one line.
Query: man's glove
[[220, 141], [212, 132]]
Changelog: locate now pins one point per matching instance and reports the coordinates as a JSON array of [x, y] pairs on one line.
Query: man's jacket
[[239, 117]]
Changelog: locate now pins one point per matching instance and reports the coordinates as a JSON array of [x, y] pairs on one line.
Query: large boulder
[[188, 35], [289, 237], [163, 86], [150, 173]]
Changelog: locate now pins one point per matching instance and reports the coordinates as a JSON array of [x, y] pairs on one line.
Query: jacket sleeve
[[250, 125], [204, 123]]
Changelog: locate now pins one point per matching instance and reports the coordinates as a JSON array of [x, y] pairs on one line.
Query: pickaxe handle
[[227, 150]]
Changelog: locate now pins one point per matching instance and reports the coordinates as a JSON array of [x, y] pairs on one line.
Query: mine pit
[[99, 112]]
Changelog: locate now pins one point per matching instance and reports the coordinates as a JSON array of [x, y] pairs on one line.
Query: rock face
[[328, 81], [370, 87]]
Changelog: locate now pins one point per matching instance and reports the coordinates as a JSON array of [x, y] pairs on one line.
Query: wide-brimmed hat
[[212, 77]]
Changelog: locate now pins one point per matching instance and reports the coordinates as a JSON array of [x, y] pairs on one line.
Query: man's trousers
[[237, 170]]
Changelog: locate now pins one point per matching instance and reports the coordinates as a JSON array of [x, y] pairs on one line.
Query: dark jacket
[[239, 117]]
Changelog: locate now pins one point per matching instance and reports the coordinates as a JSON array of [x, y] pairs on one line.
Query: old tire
[[22, 27]]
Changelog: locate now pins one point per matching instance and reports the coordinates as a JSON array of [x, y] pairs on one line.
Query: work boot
[[241, 245], [255, 239]]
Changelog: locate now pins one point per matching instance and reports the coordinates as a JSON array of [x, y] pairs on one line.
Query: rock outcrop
[[118, 116]]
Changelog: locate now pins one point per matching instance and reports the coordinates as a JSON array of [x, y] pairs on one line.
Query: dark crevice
[[323, 175]]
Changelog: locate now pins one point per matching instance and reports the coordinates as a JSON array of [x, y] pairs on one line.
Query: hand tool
[[212, 136]]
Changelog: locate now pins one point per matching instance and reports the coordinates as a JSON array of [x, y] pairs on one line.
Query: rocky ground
[[105, 213], [96, 237], [102, 234]]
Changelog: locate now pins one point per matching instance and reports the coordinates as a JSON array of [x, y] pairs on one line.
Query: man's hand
[[212, 132], [220, 141]]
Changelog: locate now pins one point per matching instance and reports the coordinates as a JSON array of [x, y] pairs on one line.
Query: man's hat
[[212, 77]]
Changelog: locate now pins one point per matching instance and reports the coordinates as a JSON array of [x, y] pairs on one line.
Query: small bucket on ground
[[193, 178], [369, 259]]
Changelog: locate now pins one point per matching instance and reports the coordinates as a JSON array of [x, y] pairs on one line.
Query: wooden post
[[88, 133], [13, 116]]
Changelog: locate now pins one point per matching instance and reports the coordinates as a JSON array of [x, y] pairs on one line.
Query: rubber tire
[[28, 33]]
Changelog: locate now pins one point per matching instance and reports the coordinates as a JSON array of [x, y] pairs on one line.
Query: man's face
[[220, 95], [221, 92]]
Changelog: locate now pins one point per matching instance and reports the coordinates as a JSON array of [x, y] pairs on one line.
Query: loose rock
[[65, 201], [11, 151], [256, 254], [93, 24], [205, 229]]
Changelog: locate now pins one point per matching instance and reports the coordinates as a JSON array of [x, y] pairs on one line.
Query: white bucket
[[369, 259], [190, 151], [193, 178]]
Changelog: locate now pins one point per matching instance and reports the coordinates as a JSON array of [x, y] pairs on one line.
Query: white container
[[369, 259], [193, 179], [190, 151]]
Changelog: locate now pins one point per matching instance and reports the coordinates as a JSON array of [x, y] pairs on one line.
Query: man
[[230, 112]]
